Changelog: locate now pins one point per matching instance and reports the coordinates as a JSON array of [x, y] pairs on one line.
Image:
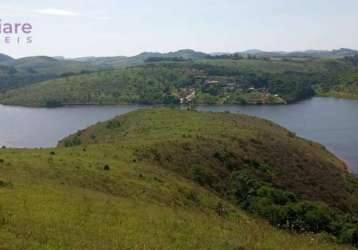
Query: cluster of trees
[[352, 59], [166, 59], [284, 209], [235, 56]]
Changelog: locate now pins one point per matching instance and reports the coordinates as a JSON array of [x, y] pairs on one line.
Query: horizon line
[[188, 49]]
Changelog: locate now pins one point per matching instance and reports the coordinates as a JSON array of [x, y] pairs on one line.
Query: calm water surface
[[42, 127], [332, 122]]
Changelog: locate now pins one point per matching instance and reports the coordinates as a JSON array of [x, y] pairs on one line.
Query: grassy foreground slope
[[292, 182], [107, 193]]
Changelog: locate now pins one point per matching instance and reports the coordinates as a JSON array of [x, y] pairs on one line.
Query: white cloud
[[57, 12], [6, 11], [103, 18]]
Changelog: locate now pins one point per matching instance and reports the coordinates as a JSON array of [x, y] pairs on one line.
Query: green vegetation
[[122, 61], [185, 78], [168, 179], [347, 86], [262, 167], [208, 81], [25, 71]]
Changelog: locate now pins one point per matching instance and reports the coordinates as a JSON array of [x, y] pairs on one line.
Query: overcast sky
[[75, 28]]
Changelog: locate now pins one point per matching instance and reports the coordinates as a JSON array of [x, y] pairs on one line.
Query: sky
[[75, 28]]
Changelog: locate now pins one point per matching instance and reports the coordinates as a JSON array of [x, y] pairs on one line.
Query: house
[[188, 95], [210, 82]]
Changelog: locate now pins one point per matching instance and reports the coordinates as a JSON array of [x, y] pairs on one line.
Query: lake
[[329, 121]]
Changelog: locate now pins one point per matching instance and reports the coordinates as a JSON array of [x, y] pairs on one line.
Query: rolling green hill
[[5, 59], [167, 179], [210, 81], [293, 183], [214, 81], [15, 73]]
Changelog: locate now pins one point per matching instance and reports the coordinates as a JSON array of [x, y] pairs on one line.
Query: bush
[[349, 235], [200, 176], [53, 104], [281, 208], [244, 186], [279, 197], [113, 124], [75, 141]]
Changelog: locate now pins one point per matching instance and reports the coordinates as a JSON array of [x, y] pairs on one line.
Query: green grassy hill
[[145, 180], [16, 73], [216, 149], [223, 143]]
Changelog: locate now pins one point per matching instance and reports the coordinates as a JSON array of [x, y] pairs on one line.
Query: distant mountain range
[[23, 71], [122, 61], [340, 53]]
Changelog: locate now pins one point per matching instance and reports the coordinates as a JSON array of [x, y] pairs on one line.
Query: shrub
[[53, 104], [113, 124], [200, 176], [244, 186], [75, 141], [192, 196], [281, 208], [279, 197], [349, 235]]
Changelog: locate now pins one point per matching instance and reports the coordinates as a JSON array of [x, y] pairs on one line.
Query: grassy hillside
[[28, 70], [108, 192], [179, 140], [218, 81], [216, 150], [5, 59]]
